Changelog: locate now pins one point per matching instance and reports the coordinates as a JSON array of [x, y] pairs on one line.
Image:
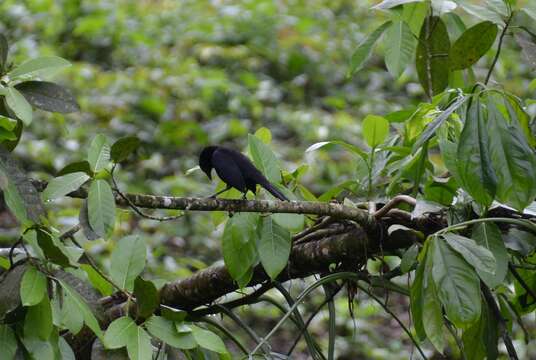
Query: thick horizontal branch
[[349, 249]]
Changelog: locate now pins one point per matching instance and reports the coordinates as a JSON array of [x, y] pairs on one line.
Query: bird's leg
[[220, 192]]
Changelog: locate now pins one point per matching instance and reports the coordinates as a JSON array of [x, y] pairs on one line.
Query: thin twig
[[502, 323], [496, 58], [521, 281], [134, 207], [393, 203]]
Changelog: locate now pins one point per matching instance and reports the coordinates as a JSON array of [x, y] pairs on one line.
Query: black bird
[[236, 170]]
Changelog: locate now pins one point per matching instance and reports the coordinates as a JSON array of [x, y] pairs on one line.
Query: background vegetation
[[180, 75]]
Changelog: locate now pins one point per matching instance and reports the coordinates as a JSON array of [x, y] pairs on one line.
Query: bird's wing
[[228, 170]]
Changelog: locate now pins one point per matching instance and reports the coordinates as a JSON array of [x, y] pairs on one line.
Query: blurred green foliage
[[183, 74]]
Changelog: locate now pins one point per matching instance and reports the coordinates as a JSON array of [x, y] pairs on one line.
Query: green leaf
[[53, 250], [8, 342], [175, 315], [477, 256], [239, 250], [19, 105], [118, 333], [33, 287], [350, 147], [432, 59], [147, 297], [96, 279], [388, 4], [457, 285], [435, 124], [375, 130], [409, 258], [264, 134], [78, 166], [273, 246], [208, 340], [83, 308], [432, 313], [475, 170], [42, 66], [63, 185], [364, 50], [71, 316], [166, 331], [38, 321], [14, 202], [128, 261], [101, 207], [472, 45], [480, 340], [482, 12], [414, 14], [264, 159], [416, 296], [83, 217], [123, 147], [48, 96], [99, 153], [66, 353], [512, 158], [39, 349], [139, 345], [489, 236], [399, 47]]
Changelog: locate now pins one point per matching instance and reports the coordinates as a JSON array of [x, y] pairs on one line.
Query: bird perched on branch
[[236, 170]]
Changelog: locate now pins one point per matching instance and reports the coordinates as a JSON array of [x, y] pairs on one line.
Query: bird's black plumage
[[236, 170]]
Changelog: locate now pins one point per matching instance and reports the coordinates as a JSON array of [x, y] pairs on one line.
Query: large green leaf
[[399, 47], [472, 45], [264, 159], [375, 130], [48, 96], [166, 331], [99, 153], [457, 284], [71, 316], [128, 261], [239, 250], [416, 296], [482, 12], [489, 236], [38, 320], [118, 332], [8, 342], [480, 340], [19, 105], [273, 246], [477, 256], [432, 313], [33, 287], [101, 207], [63, 185], [83, 308], [414, 14], [147, 297], [512, 158], [139, 345], [42, 66], [432, 56], [208, 340], [474, 159], [364, 50]]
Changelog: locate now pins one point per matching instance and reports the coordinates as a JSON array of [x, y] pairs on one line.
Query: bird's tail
[[274, 191]]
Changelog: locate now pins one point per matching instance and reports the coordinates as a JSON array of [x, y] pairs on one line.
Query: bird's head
[[205, 160]]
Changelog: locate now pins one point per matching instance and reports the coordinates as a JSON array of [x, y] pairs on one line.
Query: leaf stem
[[498, 53]]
